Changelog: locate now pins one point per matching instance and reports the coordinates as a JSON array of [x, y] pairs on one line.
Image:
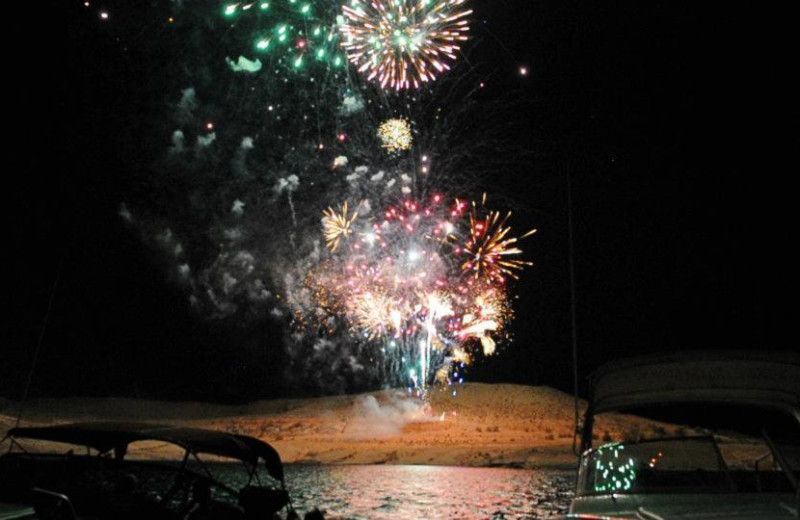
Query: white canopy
[[763, 379]]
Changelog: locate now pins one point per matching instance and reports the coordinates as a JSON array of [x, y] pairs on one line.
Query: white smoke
[[244, 260], [244, 65], [339, 161], [228, 282], [257, 291], [232, 234], [187, 105], [373, 418], [288, 184], [223, 307], [239, 162], [184, 271], [165, 237], [237, 208], [351, 105], [204, 141], [178, 142], [125, 213]]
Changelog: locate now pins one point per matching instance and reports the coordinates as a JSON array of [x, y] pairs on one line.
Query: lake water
[[428, 492]]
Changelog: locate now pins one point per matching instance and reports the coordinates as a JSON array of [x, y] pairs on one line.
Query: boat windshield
[[665, 465], [690, 465]]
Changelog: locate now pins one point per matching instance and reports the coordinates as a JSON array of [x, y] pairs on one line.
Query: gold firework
[[336, 225], [489, 246], [395, 134]]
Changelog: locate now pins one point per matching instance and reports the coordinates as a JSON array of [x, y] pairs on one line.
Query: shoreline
[[509, 426]]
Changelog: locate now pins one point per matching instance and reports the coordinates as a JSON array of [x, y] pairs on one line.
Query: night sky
[[672, 120]]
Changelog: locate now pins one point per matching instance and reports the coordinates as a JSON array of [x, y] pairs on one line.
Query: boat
[[94, 477], [694, 472]]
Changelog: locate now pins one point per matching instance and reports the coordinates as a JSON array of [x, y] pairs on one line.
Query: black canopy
[[105, 436]]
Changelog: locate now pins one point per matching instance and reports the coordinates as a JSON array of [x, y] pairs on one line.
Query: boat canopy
[[107, 436], [763, 379]]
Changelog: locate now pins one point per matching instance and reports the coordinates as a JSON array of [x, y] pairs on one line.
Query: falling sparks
[[395, 135], [403, 43]]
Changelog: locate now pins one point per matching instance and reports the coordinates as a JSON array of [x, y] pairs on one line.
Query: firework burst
[[395, 135], [403, 43], [337, 225], [490, 247], [400, 282]]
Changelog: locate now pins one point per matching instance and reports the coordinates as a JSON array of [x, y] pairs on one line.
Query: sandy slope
[[483, 425]]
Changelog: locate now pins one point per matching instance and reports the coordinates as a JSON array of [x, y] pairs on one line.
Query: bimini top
[[764, 379], [107, 436]]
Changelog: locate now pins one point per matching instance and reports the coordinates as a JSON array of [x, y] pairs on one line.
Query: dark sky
[[672, 120]]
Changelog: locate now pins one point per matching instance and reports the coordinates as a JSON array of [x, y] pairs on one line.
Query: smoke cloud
[[387, 417]]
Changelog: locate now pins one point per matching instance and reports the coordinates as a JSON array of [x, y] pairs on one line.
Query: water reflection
[[434, 492]]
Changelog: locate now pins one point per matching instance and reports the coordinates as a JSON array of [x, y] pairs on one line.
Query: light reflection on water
[[432, 492]]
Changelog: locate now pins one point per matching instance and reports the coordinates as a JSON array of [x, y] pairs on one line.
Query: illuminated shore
[[484, 425]]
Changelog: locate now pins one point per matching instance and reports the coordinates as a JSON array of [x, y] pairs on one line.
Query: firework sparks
[[404, 43], [293, 30], [399, 282], [337, 225], [395, 135], [489, 246], [293, 132]]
